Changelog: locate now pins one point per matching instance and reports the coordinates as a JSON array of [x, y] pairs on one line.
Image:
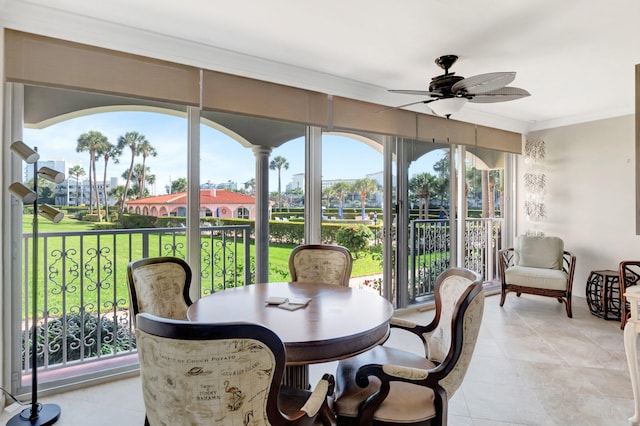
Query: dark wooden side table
[[603, 294]]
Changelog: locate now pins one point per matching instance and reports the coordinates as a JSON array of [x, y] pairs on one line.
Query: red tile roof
[[207, 196]]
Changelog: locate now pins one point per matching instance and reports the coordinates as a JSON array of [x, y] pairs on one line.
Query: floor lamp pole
[[38, 414]]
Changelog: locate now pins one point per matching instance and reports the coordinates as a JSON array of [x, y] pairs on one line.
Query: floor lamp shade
[[24, 151], [50, 213], [21, 192], [51, 175]]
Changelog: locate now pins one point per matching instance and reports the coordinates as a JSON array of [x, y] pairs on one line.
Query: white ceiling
[[576, 58]]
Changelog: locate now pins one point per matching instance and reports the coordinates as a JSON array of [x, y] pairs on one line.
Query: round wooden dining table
[[338, 322]]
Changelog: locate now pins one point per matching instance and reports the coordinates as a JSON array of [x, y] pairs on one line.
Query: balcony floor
[[532, 366]]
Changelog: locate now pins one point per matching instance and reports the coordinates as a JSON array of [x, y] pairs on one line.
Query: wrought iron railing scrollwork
[[222, 247], [83, 297], [430, 252]]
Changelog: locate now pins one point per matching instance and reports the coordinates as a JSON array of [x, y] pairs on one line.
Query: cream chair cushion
[[538, 263], [549, 279], [405, 401], [538, 252]]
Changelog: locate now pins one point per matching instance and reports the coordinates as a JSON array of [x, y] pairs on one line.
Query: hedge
[[288, 232]]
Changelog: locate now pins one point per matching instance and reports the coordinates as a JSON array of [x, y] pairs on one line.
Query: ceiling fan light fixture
[[447, 106]]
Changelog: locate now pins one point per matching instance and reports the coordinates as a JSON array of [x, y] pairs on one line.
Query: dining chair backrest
[[160, 286], [198, 373], [324, 263], [452, 287], [462, 308], [195, 373]]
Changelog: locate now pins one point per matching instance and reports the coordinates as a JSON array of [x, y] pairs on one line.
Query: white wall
[[590, 193]]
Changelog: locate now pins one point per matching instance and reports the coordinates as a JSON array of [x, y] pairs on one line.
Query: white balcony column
[[509, 207], [193, 199], [461, 202], [11, 296], [313, 186], [388, 202], [402, 222], [262, 213]]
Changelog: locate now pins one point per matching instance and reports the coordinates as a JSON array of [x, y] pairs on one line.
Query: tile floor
[[532, 366]]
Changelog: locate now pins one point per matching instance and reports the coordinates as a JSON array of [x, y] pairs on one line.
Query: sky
[[222, 159]]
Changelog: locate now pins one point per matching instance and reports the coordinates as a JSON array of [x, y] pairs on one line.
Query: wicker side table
[[603, 294]]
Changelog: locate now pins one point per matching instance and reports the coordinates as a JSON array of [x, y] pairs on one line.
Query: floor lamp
[[38, 414]]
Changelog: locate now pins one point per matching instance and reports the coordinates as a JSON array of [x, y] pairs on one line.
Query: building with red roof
[[213, 202]]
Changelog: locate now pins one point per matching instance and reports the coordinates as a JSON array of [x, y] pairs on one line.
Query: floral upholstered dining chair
[[195, 373], [160, 286], [324, 263], [388, 386]]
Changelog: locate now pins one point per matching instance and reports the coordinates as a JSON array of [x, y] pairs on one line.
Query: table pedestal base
[[296, 376]]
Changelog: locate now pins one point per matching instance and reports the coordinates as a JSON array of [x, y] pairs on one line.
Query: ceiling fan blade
[[416, 92], [500, 95], [483, 83], [406, 105]]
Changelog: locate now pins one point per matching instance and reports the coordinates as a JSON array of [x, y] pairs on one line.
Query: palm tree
[[91, 142], [341, 189], [443, 175], [279, 163], [139, 176], [422, 185], [365, 187], [329, 192], [496, 183], [118, 194], [178, 185], [108, 151], [131, 140], [77, 171], [145, 150], [150, 179], [250, 186]]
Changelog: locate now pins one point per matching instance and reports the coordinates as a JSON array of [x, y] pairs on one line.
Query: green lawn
[[279, 261], [65, 225]]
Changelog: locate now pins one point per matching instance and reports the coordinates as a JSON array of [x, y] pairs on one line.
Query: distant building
[[228, 185], [297, 182], [326, 183], [72, 193], [213, 203], [58, 165]]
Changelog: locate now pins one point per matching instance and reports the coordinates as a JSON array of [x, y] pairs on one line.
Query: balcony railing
[[430, 252], [83, 293], [83, 298]]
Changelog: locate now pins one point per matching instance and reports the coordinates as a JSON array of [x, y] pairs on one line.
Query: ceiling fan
[[448, 92]]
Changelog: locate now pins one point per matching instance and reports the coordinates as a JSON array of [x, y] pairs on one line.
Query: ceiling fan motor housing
[[442, 84]]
